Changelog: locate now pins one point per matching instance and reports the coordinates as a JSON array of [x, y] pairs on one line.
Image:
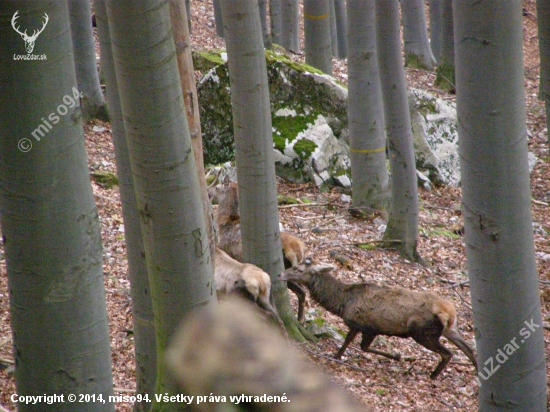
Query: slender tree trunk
[[290, 25], [497, 207], [164, 170], [332, 25], [370, 186], [317, 35], [140, 291], [402, 229], [445, 78], [49, 220], [341, 28], [262, 5], [418, 53], [182, 40], [218, 18], [436, 28], [543, 16], [188, 14], [93, 103], [254, 149], [275, 9]]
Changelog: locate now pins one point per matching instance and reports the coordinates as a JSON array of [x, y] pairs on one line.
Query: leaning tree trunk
[[145, 345], [497, 206], [436, 27], [93, 104], [543, 16], [317, 35], [254, 149], [402, 229], [290, 25], [418, 53], [445, 78], [164, 170], [370, 186], [182, 39], [50, 225]]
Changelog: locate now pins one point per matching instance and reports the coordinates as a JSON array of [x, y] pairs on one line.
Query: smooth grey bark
[[290, 25], [370, 182], [497, 206], [317, 35], [164, 170], [543, 17], [145, 346], [402, 228], [93, 103], [254, 149], [275, 9], [333, 29], [182, 40], [188, 14], [445, 78], [49, 220], [262, 6], [218, 18], [341, 28], [436, 27], [418, 53]]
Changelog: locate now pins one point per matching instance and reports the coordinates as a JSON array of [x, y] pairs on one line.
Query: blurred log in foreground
[[227, 351]]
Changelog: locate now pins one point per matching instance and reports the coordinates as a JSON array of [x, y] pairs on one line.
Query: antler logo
[[29, 40]]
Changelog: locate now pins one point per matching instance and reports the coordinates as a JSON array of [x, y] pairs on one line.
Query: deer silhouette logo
[[29, 40]]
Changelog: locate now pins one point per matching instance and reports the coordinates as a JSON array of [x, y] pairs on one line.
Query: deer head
[[29, 40]]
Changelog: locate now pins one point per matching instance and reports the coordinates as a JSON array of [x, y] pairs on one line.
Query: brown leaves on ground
[[333, 235]]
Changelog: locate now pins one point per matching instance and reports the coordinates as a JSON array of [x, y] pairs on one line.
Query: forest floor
[[382, 384]]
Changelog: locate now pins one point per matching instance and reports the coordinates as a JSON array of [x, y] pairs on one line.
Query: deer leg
[[351, 335], [455, 337], [432, 343], [365, 346], [301, 295]]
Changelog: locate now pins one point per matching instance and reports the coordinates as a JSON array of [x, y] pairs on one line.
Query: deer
[[229, 233], [29, 40], [245, 280], [374, 309]]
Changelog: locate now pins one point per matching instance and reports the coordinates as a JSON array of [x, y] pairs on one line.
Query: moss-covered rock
[[310, 126]]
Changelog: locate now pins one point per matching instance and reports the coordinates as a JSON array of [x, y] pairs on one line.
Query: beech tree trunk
[[402, 228], [317, 35], [370, 182], [497, 206], [254, 150], [140, 290], [93, 103], [290, 25], [50, 226], [543, 16], [436, 28], [182, 39], [445, 78], [418, 53], [340, 16], [164, 170]]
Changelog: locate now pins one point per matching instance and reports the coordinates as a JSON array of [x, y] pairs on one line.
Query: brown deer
[[246, 280], [374, 309], [229, 234]]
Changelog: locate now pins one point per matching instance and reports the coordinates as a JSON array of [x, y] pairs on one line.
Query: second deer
[[229, 226]]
